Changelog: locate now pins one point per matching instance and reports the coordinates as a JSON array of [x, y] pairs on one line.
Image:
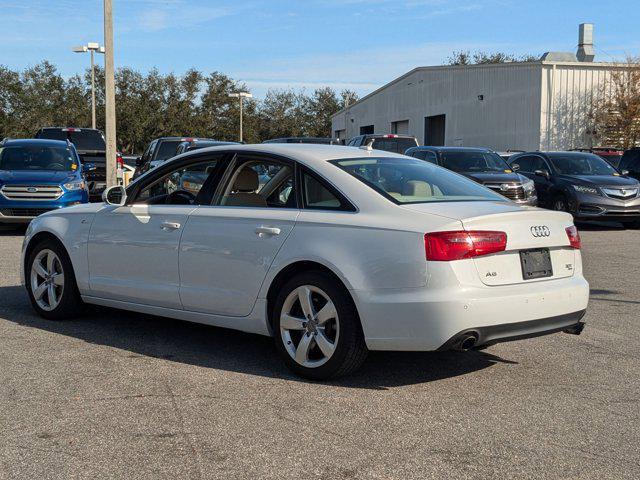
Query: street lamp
[[241, 96], [91, 47]]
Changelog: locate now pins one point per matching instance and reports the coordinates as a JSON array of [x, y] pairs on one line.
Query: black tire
[[350, 350], [70, 304], [560, 203]]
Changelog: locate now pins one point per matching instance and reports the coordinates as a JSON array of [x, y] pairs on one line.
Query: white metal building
[[535, 105]]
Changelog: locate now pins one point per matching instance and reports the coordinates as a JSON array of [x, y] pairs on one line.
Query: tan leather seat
[[243, 192], [417, 188]]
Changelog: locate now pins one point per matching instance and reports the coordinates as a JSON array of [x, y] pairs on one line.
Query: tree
[[616, 112], [465, 57]]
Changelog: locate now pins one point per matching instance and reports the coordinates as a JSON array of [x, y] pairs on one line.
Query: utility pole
[[91, 47], [110, 96], [241, 96]]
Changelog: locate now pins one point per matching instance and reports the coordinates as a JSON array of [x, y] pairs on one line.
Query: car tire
[[560, 203], [51, 282], [635, 224], [317, 342]]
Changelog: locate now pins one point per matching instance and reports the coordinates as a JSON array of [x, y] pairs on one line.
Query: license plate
[[536, 263]]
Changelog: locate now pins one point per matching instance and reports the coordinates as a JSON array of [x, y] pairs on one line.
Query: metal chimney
[[585, 53]]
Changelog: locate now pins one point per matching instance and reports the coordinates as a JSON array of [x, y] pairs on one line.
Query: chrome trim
[[620, 193], [32, 193]]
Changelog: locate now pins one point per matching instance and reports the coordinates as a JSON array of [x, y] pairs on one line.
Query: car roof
[[34, 141], [308, 153], [453, 149], [182, 139], [385, 135]]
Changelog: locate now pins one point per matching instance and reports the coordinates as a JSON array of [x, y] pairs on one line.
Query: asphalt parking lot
[[120, 395]]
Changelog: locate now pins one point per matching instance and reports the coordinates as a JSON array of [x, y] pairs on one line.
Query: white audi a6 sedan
[[333, 251]]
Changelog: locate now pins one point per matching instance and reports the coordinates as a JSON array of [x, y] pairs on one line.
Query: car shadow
[[145, 336], [595, 226]]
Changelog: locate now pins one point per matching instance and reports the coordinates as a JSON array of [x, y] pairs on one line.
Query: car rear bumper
[[507, 332], [425, 319]]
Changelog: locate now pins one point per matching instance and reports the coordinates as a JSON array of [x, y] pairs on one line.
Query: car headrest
[[246, 181]]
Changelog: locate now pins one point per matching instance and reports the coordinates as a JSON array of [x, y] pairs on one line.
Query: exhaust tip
[[466, 342]]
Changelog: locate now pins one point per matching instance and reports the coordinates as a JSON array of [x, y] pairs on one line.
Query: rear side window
[[317, 195], [407, 180], [167, 149]]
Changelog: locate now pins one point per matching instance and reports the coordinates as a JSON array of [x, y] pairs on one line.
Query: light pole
[[241, 96], [109, 96], [91, 47]]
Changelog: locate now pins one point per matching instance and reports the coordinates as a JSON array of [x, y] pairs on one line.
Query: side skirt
[[254, 323]]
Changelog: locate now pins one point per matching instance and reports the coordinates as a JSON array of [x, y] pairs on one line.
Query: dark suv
[[631, 163], [91, 147], [158, 151], [582, 184], [389, 143], [482, 165]]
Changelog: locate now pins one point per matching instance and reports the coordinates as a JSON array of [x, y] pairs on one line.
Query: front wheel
[[317, 328], [51, 283], [560, 204]]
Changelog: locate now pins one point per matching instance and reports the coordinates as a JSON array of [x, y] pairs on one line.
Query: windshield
[[168, 149], [582, 164], [37, 158], [82, 139], [395, 145], [405, 180], [473, 161]]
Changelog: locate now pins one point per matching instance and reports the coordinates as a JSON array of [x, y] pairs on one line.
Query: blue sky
[[357, 44]]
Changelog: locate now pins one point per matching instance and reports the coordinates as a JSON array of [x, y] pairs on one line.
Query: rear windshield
[[37, 158], [581, 164], [470, 161], [395, 145], [407, 180], [83, 139], [168, 149]]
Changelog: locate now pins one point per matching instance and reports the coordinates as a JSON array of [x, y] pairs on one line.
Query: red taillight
[[119, 161], [71, 130], [390, 135], [447, 246], [574, 237]]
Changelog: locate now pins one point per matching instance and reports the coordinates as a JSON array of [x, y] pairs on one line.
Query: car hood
[[601, 180], [493, 177], [36, 176]]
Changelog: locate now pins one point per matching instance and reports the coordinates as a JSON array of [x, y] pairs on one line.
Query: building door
[[366, 130], [400, 128], [434, 128]]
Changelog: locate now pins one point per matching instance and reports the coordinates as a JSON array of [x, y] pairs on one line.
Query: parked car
[[158, 151], [37, 176], [91, 147], [389, 143], [582, 184], [195, 144], [341, 251], [508, 153], [630, 163], [316, 140], [484, 166], [610, 154]]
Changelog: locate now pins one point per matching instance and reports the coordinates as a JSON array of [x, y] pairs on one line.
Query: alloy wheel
[[47, 279], [309, 326]]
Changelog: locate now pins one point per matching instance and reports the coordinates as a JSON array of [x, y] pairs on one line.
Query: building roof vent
[[585, 53], [559, 57]]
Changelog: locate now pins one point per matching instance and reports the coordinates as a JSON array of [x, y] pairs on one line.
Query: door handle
[[264, 231], [169, 226]]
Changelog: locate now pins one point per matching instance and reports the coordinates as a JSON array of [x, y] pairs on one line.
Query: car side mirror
[[625, 172], [89, 167], [515, 167], [115, 195], [542, 173], [138, 161]]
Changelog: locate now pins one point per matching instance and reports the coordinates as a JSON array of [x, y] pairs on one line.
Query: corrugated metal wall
[[565, 121], [517, 111], [507, 116]]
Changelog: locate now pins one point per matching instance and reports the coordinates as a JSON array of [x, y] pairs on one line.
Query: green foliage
[[150, 105], [465, 57]]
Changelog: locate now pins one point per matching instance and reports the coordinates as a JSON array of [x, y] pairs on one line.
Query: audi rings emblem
[[540, 231]]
